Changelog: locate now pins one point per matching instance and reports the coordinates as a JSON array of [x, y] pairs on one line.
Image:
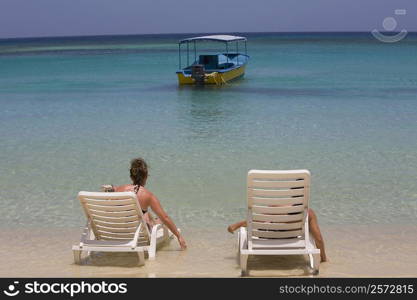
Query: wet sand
[[353, 251]]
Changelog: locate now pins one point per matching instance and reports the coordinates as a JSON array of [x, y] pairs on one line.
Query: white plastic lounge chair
[[277, 220], [115, 224]]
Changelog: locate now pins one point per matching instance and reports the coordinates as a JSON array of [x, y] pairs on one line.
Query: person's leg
[[235, 226], [315, 231]]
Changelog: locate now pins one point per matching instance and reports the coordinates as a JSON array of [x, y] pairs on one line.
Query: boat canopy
[[218, 38]]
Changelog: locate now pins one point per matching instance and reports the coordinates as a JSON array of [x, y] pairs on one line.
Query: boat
[[218, 68]]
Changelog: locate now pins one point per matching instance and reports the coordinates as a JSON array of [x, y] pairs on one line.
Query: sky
[[40, 18]]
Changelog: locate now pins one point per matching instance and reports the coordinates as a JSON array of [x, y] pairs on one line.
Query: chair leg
[[152, 252], [152, 248], [244, 264], [153, 241], [77, 256], [316, 263], [238, 246], [141, 257]]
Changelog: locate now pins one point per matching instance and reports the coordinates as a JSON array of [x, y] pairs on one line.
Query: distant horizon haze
[[190, 34], [65, 18]]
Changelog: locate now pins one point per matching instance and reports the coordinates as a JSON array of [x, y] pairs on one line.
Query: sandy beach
[[353, 251]]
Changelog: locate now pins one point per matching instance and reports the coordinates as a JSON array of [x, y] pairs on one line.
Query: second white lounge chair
[[277, 219], [115, 224]]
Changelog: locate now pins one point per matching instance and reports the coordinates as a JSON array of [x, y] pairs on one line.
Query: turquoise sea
[[74, 111]]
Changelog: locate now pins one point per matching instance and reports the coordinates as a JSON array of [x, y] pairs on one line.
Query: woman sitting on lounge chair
[[139, 174]]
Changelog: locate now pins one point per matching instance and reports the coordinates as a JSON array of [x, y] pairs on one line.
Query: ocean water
[[74, 111]]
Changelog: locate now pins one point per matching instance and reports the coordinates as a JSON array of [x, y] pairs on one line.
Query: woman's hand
[[107, 188], [182, 242]]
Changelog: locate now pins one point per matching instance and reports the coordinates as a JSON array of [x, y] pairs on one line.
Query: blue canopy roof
[[218, 38]]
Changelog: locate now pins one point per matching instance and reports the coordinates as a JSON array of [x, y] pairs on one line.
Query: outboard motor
[[198, 73]]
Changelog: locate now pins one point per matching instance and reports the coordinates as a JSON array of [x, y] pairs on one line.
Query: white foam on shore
[[353, 251]]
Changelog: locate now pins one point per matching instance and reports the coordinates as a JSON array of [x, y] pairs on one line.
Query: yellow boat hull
[[217, 78]]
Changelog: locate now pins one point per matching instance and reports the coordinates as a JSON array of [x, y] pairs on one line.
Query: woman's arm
[[163, 216]]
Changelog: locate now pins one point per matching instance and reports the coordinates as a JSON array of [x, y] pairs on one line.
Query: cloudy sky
[[34, 18]]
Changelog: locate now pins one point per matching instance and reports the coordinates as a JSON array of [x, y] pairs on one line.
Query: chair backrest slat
[[126, 224], [277, 226], [119, 220], [277, 218], [262, 201], [276, 234], [112, 208]]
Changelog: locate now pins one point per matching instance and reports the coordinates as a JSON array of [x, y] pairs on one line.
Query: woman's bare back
[[142, 194]]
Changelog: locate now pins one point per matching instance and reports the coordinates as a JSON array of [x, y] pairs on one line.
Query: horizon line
[[186, 33]]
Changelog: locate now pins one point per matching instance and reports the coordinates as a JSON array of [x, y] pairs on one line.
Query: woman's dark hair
[[138, 172]]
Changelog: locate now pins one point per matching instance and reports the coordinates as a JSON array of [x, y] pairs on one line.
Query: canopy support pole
[[227, 52], [195, 52], [237, 52], [179, 55], [188, 54]]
